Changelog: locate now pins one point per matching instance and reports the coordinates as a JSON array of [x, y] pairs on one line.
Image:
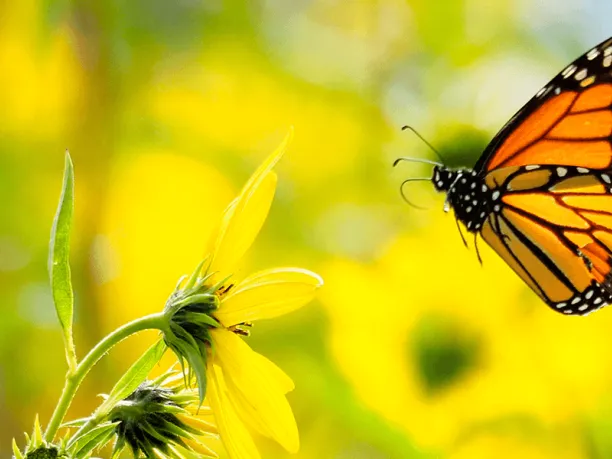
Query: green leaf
[[137, 373], [59, 263]]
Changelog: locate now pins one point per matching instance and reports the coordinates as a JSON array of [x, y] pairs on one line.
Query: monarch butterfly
[[541, 193]]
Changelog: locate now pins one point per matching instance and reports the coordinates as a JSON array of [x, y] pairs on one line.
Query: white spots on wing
[[607, 61], [484, 188], [560, 305], [608, 51], [531, 167], [482, 214], [576, 300], [474, 202], [605, 178], [582, 170], [557, 90], [495, 195], [542, 91], [437, 176], [597, 300], [589, 294], [592, 54], [440, 183], [569, 70], [473, 185], [581, 74], [497, 208], [561, 171], [469, 209], [584, 307], [463, 180]]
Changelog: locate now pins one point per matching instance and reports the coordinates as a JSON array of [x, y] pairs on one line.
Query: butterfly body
[[541, 193], [467, 194]]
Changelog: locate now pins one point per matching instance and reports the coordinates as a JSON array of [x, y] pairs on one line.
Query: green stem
[[74, 379]]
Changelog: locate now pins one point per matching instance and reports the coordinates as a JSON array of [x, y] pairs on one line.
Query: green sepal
[[187, 348], [59, 263], [44, 452], [75, 423], [199, 317], [16, 453], [118, 448], [180, 281], [220, 284], [37, 436], [136, 374], [198, 298], [97, 437], [156, 432], [194, 276]]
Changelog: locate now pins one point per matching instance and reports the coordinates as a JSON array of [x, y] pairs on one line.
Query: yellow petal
[[269, 163], [282, 379], [246, 410], [268, 294], [245, 216], [197, 449], [256, 393], [202, 426], [235, 437]]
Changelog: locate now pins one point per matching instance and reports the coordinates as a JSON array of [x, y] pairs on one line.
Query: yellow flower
[[208, 314]]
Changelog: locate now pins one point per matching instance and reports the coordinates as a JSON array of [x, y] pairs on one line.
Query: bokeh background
[[413, 350]]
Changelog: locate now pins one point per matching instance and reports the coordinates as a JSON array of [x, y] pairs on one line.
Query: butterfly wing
[[568, 122], [554, 229]]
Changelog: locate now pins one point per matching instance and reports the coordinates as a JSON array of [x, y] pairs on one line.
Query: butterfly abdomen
[[467, 194]]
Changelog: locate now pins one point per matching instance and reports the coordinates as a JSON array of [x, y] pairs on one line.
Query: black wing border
[[560, 83]]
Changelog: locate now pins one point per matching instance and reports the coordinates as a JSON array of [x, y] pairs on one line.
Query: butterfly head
[[466, 194], [443, 178]]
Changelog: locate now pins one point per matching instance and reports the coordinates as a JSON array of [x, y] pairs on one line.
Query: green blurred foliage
[[413, 350]]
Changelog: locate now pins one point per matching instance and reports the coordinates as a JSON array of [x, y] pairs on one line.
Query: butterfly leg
[[461, 233], [476, 247]]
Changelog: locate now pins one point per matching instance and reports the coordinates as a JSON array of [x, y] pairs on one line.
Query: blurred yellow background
[[413, 350]]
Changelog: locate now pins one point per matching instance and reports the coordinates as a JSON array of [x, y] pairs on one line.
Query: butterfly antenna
[[415, 132], [417, 179], [416, 160]]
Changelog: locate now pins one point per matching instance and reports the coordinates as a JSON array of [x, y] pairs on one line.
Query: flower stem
[[75, 378]]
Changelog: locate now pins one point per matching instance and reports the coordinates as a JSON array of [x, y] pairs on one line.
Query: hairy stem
[[75, 378]]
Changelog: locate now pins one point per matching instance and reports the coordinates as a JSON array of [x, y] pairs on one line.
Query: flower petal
[[268, 294], [196, 449], [257, 395], [245, 216], [235, 437], [267, 366]]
